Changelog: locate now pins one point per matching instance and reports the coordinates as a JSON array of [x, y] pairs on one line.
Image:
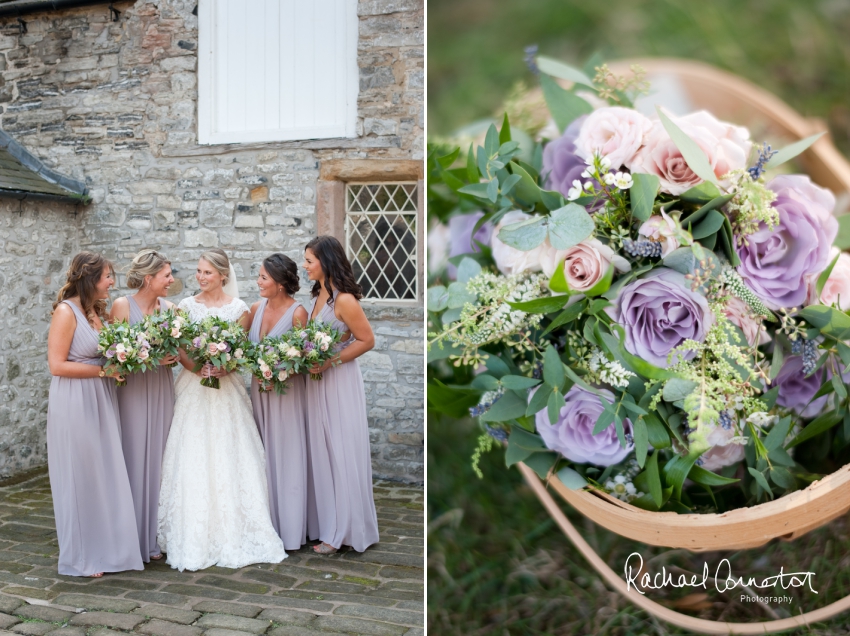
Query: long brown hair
[[336, 268], [81, 281]]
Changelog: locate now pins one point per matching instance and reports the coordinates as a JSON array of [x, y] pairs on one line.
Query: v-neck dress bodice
[[92, 501]]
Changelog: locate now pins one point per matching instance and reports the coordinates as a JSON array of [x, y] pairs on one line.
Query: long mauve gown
[[92, 500], [280, 419], [340, 505], [146, 406]]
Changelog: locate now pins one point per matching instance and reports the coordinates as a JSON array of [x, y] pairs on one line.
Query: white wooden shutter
[[276, 70]]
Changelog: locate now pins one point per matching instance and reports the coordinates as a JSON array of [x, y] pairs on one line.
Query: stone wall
[[115, 104]]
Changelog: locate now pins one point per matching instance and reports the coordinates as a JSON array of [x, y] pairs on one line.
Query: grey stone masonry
[[380, 591], [114, 104]]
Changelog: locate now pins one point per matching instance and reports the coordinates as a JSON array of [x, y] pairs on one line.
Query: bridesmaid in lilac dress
[[280, 418], [92, 501], [146, 404], [340, 505]]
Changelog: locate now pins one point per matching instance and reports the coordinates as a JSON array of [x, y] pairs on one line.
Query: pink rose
[[837, 288], [222, 346], [267, 374], [740, 315], [175, 332], [726, 147], [122, 356], [662, 229], [586, 264], [721, 453], [614, 132], [143, 354], [212, 348]]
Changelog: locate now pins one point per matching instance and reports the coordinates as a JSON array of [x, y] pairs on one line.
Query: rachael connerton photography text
[[724, 580]]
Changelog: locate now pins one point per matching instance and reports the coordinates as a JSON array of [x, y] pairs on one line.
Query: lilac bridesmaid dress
[[92, 500], [146, 407], [281, 422], [340, 505]]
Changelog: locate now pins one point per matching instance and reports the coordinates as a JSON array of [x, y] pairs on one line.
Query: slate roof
[[22, 175]]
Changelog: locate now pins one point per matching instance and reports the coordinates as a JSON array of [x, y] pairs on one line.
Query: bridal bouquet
[[274, 360], [126, 349], [642, 310], [317, 342], [217, 342], [166, 331]]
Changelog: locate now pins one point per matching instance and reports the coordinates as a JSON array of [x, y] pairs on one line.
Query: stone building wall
[[114, 104]]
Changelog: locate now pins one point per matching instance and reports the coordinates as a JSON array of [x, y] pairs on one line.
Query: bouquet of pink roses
[[217, 342], [126, 349]]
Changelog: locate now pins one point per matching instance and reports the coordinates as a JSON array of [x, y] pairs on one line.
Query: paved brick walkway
[[379, 592]]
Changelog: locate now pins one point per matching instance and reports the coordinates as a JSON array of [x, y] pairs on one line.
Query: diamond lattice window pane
[[380, 230]]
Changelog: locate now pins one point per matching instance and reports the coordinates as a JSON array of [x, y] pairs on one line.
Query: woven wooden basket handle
[[684, 621]]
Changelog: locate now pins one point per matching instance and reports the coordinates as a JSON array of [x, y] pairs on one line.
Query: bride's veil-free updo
[[218, 259]]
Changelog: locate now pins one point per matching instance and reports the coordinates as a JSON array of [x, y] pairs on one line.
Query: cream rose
[[837, 288], [614, 132], [585, 264], [726, 147], [510, 260]]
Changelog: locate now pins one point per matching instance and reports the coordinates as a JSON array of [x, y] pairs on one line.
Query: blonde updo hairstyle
[[218, 259], [148, 262]]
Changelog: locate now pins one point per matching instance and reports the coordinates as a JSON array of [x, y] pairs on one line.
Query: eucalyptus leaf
[[777, 434], [676, 471], [553, 368], [676, 389], [554, 406], [541, 463], [518, 382], [571, 479], [782, 478], [831, 322], [563, 71], [448, 349], [642, 195], [506, 408], [707, 478], [438, 298], [568, 315], [564, 106], [491, 141], [509, 183], [825, 274], [485, 382], [702, 193], [789, 152], [493, 189], [505, 132], [777, 360], [817, 426], [545, 305], [761, 480], [467, 270], [570, 225], [711, 224], [691, 152], [539, 400], [479, 190], [552, 200], [459, 296], [525, 235], [496, 366]]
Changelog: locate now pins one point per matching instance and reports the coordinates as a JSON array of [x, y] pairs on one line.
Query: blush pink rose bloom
[[213, 348], [663, 230], [721, 453], [740, 315], [837, 288], [121, 355], [725, 145], [221, 346], [143, 354], [267, 374], [587, 263], [614, 132]]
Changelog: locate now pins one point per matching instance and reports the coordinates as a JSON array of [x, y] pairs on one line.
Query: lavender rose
[[572, 435], [659, 312], [796, 390], [779, 265], [561, 164]]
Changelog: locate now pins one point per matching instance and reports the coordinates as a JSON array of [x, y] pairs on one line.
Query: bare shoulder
[[254, 307], [120, 303], [346, 302], [63, 316], [300, 315]]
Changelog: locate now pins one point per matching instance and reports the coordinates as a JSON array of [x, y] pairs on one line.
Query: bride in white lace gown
[[214, 504]]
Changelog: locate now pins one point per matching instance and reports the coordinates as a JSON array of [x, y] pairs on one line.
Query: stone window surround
[[334, 174]]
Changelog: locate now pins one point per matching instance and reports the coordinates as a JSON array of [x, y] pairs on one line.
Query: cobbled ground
[[379, 592]]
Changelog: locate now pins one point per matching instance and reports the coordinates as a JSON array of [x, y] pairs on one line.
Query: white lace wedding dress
[[214, 503]]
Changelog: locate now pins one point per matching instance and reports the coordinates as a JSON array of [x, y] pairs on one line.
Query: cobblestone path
[[379, 592]]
